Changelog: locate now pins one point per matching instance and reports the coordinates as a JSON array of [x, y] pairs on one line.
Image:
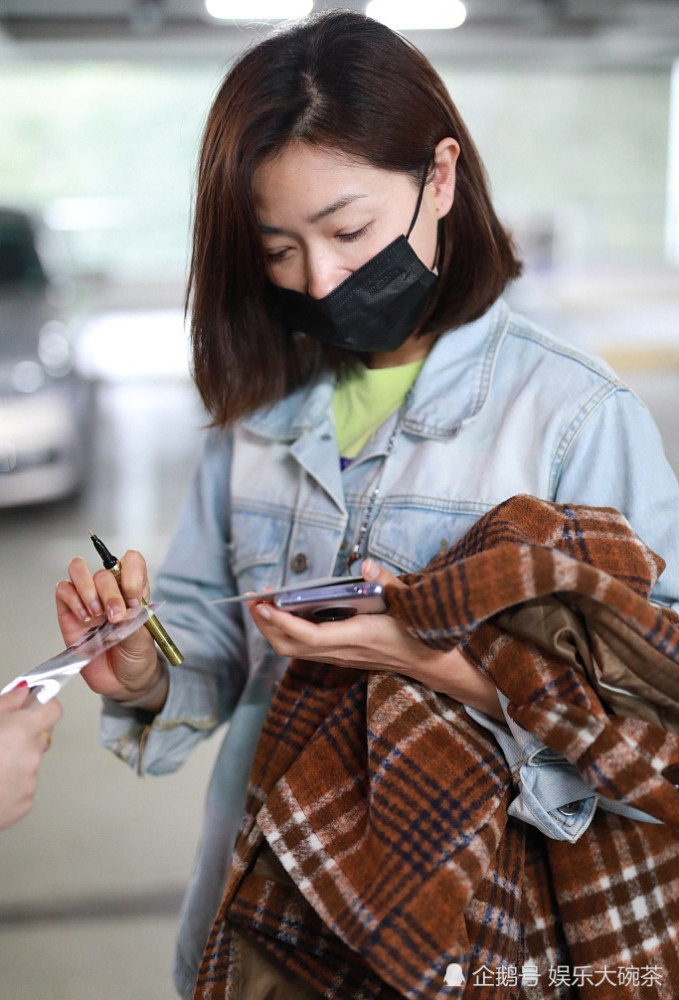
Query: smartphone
[[332, 602]]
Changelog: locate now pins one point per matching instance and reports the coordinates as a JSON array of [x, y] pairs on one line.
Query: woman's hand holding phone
[[375, 642]]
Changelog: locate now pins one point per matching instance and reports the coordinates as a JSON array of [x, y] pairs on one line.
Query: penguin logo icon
[[454, 975]]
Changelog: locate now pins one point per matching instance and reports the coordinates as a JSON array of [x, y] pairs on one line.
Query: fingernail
[[114, 612], [264, 610], [96, 608], [84, 615], [21, 684], [134, 602]]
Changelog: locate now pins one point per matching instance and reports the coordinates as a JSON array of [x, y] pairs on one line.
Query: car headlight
[[55, 360]]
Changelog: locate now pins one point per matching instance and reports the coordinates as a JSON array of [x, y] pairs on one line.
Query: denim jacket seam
[[426, 503], [307, 516], [525, 330], [495, 338], [583, 415], [267, 509], [493, 343]]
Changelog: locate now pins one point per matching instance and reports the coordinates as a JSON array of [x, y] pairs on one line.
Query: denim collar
[[451, 388]]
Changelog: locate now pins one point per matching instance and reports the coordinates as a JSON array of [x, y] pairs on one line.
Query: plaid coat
[[386, 805]]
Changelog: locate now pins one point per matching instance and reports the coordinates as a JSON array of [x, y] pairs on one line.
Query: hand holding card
[[49, 677]]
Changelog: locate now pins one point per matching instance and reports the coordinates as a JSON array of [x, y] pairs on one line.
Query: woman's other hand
[[25, 734], [132, 669], [376, 642]]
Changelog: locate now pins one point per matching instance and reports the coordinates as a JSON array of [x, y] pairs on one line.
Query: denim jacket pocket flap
[[408, 536], [258, 541]]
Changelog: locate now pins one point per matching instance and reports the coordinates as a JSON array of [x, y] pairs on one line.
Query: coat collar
[[451, 388]]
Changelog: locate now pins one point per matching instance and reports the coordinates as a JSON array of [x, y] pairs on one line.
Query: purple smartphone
[[333, 602]]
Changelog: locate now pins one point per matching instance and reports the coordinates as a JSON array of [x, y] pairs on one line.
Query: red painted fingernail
[[21, 684]]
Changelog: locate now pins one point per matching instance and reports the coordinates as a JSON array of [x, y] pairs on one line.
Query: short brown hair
[[342, 81]]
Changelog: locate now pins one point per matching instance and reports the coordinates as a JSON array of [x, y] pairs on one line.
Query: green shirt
[[363, 402]]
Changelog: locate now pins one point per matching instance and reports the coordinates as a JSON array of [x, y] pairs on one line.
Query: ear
[[446, 153]]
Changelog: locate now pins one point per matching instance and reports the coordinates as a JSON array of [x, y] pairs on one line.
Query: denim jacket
[[498, 408]]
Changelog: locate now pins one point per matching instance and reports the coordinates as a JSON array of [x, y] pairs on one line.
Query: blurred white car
[[44, 402]]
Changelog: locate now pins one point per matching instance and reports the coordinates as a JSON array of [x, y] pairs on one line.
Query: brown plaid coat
[[386, 805]]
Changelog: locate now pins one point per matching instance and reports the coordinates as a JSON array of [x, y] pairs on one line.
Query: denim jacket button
[[299, 562], [569, 809]]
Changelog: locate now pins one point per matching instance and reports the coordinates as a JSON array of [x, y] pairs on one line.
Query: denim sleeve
[[205, 688], [612, 456], [551, 794]]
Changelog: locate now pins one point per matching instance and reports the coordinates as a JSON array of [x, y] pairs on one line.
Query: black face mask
[[375, 309]]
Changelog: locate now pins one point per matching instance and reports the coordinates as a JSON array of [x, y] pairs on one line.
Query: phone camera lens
[[333, 614]]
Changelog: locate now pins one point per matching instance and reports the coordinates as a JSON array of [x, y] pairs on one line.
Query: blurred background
[[574, 105]]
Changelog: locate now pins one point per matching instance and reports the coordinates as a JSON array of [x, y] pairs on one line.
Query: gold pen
[[161, 637]]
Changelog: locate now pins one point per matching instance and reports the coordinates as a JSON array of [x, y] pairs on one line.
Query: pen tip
[[91, 534]]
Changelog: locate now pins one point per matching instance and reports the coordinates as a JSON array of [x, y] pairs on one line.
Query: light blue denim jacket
[[498, 408]]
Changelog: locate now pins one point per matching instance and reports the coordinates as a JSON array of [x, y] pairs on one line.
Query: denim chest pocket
[[407, 536], [257, 549]]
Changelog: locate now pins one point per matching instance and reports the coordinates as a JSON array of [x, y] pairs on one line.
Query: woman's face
[[322, 214]]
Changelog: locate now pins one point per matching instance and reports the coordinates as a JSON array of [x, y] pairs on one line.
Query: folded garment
[[385, 804]]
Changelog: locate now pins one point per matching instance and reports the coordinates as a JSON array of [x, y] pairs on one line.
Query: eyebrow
[[323, 213]]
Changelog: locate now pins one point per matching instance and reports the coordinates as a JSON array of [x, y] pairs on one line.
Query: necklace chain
[[357, 549]]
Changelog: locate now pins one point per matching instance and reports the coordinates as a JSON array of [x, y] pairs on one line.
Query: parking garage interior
[[575, 109]]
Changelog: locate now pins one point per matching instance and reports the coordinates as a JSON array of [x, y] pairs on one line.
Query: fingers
[[42, 720], [366, 642], [45, 717], [374, 573], [292, 635], [87, 595], [49, 716], [15, 699], [265, 611], [79, 593], [355, 641], [22, 697], [30, 717], [25, 736], [133, 582], [288, 634]]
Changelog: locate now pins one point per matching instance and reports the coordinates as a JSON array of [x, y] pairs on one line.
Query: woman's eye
[[349, 237], [276, 255]]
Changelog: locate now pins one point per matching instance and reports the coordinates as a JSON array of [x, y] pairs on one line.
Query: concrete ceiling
[[605, 33]]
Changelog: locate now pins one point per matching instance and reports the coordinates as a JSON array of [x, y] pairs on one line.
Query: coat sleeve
[[205, 688]]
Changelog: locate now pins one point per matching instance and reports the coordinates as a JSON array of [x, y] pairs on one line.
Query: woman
[[25, 734], [371, 394]]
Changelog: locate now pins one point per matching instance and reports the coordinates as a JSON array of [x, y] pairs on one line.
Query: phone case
[[335, 602], [270, 595]]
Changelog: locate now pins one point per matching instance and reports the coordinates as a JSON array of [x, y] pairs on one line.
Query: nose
[[322, 275]]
